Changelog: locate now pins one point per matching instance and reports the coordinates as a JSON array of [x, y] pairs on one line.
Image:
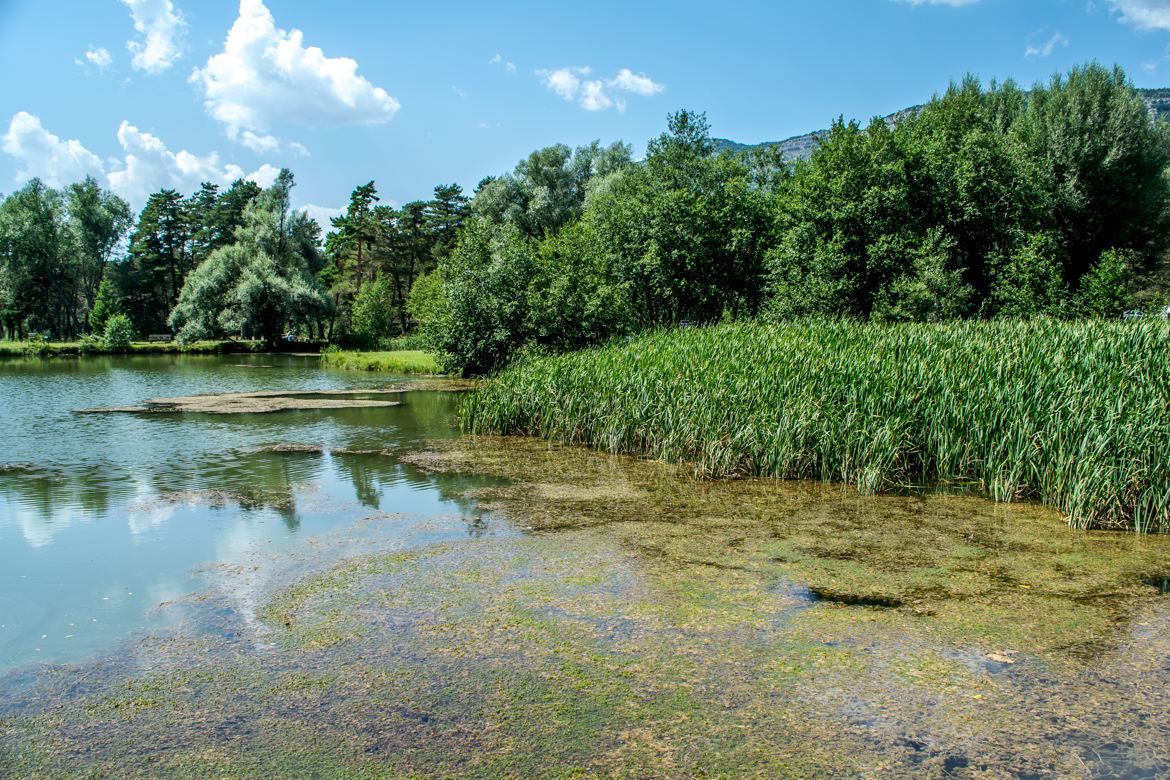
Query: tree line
[[987, 202], [220, 263]]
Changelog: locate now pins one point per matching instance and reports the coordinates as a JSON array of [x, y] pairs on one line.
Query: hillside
[[801, 147]]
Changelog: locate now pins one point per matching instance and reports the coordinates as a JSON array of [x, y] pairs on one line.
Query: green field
[[400, 362], [1076, 415]]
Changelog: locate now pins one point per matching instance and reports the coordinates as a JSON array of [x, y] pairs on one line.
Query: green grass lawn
[[401, 362]]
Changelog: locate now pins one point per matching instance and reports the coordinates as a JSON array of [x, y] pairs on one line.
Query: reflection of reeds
[[1076, 415]]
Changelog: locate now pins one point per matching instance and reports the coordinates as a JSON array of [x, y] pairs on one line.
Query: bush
[[374, 312], [36, 346], [119, 333], [90, 343], [409, 343], [1104, 290]]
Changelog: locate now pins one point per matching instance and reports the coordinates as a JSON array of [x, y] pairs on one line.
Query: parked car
[[1133, 314], [1166, 313]]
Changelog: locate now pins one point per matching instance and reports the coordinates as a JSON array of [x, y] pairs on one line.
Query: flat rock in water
[[256, 402]]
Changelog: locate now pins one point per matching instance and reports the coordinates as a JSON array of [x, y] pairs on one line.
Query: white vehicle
[[1166, 313]]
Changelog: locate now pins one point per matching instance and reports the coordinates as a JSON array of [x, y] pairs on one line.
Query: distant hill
[[801, 147]]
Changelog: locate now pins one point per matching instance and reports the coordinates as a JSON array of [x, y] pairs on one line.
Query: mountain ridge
[[801, 147]]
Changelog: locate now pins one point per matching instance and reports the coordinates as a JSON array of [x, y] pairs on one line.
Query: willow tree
[[262, 283]]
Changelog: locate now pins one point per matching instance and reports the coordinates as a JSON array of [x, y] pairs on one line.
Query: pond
[[105, 517], [361, 591]]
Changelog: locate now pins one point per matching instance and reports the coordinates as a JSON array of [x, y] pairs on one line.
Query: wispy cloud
[[573, 84], [1143, 14], [1038, 46], [509, 67]]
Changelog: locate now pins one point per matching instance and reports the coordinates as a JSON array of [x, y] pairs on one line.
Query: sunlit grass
[[1076, 415], [400, 362]]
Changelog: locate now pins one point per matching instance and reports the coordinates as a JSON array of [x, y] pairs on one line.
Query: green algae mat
[[644, 624]]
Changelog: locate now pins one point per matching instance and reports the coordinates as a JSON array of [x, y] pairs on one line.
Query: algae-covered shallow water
[[363, 593]]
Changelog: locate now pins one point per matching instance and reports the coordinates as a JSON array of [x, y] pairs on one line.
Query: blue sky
[[146, 94]]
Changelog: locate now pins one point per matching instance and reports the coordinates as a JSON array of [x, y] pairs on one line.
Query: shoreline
[[71, 349]]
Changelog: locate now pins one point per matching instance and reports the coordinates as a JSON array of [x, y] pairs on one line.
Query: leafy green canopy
[[375, 254], [986, 202], [55, 247], [989, 202], [261, 283], [172, 237], [575, 247]]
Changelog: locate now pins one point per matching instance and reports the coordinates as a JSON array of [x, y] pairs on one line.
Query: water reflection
[[104, 517]]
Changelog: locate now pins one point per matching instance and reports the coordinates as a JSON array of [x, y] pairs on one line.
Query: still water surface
[[107, 518]]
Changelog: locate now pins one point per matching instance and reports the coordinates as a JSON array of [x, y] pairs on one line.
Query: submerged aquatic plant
[[1076, 415]]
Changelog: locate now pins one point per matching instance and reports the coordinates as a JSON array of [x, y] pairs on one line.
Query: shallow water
[[103, 518], [452, 606]]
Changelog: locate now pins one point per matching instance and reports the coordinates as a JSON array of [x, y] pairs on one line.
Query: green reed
[[1076, 415]]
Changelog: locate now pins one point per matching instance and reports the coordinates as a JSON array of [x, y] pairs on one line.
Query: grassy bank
[[1076, 415], [399, 362], [75, 348]]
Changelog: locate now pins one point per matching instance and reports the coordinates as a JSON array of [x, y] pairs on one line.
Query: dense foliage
[[55, 246], [263, 281], [375, 254], [1075, 414], [986, 202]]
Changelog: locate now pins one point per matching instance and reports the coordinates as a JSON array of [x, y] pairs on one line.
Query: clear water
[[94, 539]]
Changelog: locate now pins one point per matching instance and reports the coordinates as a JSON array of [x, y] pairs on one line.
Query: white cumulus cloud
[[43, 154], [145, 166], [148, 165], [266, 75], [1143, 14], [575, 85], [638, 83], [160, 26], [323, 214], [98, 57]]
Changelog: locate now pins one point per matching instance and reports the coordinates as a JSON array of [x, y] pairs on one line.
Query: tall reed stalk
[[1076, 415]]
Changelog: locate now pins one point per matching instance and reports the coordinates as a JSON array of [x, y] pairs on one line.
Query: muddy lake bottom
[[483, 607]]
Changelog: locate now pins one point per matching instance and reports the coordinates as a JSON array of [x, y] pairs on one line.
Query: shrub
[[119, 333], [90, 343]]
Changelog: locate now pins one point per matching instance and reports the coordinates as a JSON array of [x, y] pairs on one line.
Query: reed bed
[[1075, 415]]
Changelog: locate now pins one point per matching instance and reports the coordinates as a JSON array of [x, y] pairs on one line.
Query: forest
[[989, 202]]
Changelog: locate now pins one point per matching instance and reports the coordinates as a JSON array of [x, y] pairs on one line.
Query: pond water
[[362, 592], [105, 517]]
